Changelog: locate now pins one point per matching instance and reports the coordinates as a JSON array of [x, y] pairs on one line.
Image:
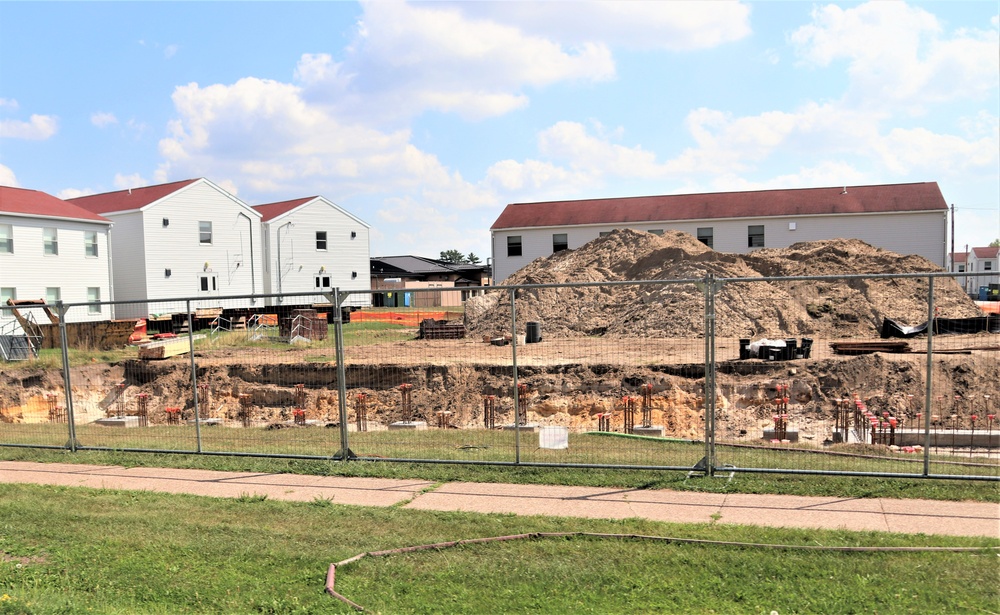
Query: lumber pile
[[431, 329], [854, 348], [166, 348]]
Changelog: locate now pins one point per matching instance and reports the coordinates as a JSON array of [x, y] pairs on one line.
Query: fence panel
[[809, 383]]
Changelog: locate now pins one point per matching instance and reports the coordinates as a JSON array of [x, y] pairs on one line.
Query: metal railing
[[712, 375]]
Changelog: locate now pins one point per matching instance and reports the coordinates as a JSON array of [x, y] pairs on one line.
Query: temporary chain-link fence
[[891, 375]]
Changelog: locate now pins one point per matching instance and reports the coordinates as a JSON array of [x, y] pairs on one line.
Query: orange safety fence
[[989, 307], [409, 319]]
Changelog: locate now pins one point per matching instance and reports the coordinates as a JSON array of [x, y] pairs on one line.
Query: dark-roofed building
[[904, 218], [313, 245], [54, 250], [397, 274]]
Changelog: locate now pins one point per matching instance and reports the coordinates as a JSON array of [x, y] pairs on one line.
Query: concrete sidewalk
[[886, 515]]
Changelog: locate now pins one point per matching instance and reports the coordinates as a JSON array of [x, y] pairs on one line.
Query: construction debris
[[167, 348]]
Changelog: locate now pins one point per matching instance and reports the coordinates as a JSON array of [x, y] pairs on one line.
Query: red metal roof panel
[[132, 198], [761, 203], [270, 211], [32, 202]]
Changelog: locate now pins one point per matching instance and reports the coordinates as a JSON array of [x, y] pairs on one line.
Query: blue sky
[[425, 119]]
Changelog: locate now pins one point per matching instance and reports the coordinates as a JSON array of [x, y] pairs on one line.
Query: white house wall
[[345, 261], [30, 272], [129, 263], [921, 233]]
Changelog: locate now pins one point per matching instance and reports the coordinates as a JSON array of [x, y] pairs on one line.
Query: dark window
[[320, 240], [205, 233], [988, 266], [604, 233], [208, 283], [656, 231], [514, 245], [560, 242], [706, 235], [322, 281], [755, 236]]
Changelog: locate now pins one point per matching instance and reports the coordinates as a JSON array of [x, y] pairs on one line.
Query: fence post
[[338, 340], [194, 376], [67, 386], [513, 357], [710, 289], [930, 366]]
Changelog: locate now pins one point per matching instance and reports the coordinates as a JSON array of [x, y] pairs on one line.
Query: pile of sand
[[834, 308]]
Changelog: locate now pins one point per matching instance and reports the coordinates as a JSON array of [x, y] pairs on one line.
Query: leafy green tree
[[472, 259], [452, 256], [995, 243]]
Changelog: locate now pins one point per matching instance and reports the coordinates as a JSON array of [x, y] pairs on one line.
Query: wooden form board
[[164, 349]]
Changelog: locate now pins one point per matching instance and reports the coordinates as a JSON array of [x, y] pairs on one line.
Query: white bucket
[[553, 437]]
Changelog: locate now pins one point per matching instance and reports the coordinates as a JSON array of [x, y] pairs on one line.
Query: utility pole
[[952, 268]]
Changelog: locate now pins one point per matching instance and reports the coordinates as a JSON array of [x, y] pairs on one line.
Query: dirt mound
[[835, 308]]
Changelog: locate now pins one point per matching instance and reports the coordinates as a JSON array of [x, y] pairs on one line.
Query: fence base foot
[[341, 456]]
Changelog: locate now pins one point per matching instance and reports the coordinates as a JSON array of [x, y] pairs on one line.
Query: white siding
[[345, 261], [921, 233], [128, 262], [29, 271]]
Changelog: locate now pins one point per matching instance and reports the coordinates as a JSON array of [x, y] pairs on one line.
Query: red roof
[[126, 200], [960, 257], [888, 198], [986, 252], [270, 211], [35, 203]]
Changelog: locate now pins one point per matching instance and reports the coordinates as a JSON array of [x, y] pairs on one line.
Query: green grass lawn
[[74, 550]]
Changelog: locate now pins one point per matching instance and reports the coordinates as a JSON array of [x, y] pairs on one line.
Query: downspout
[[278, 233], [253, 270], [111, 273]]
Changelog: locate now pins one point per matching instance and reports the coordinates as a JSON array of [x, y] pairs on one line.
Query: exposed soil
[[599, 345]]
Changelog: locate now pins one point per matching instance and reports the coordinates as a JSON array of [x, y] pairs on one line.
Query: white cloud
[[407, 59], [72, 193], [170, 51], [900, 56], [8, 103], [7, 177], [675, 25], [101, 119], [37, 128], [134, 180]]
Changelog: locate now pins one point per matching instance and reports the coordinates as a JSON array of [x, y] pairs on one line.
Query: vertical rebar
[[647, 405], [361, 411]]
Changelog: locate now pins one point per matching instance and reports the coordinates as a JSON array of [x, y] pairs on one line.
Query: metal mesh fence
[[817, 375]]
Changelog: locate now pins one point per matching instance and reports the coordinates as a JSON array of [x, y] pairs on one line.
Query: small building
[[983, 260], [903, 218], [313, 245], [53, 250], [957, 263], [452, 282], [185, 239]]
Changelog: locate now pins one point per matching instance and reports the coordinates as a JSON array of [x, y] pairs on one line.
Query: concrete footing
[[652, 430], [118, 421], [529, 427], [408, 425], [792, 435]]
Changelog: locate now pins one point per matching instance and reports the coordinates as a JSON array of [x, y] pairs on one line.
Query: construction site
[[611, 338]]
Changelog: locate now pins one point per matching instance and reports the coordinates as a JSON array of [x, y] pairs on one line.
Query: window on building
[[90, 243], [560, 242], [7, 292], [514, 245], [706, 235], [323, 282], [53, 294], [961, 268], [50, 237], [987, 265], [93, 296], [604, 233], [755, 236], [205, 233], [321, 240], [6, 239], [656, 231], [208, 283]]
